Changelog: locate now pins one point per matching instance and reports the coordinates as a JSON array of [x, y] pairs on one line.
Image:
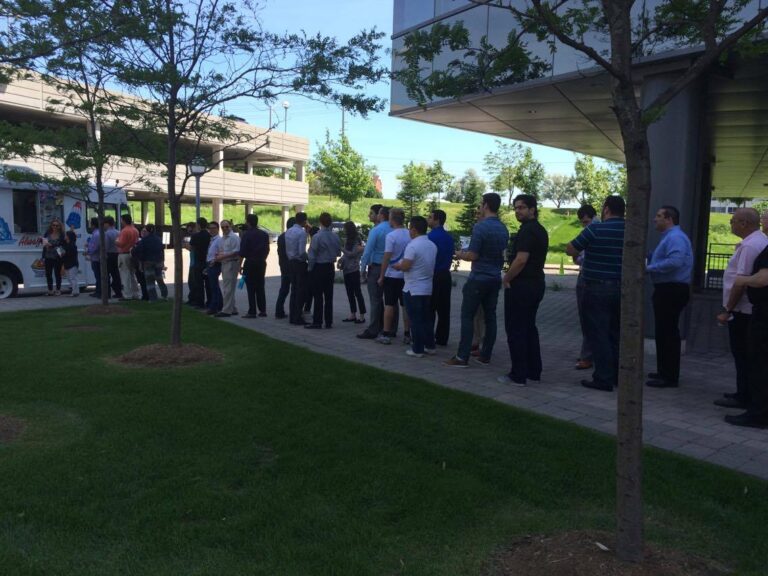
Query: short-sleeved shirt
[[741, 264], [422, 252], [531, 238], [489, 240], [759, 296], [604, 245], [395, 244]]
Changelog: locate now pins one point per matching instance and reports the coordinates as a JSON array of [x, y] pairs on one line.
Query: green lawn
[[283, 461]]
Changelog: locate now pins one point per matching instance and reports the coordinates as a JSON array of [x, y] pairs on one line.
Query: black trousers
[[440, 303], [298, 270], [198, 287], [354, 292], [113, 273], [53, 270], [738, 338], [322, 292], [757, 354], [521, 304], [285, 289], [255, 271], [669, 301]]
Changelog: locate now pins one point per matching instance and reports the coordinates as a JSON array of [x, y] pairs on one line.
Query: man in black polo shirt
[[756, 415], [254, 249], [601, 272], [199, 293], [523, 291]]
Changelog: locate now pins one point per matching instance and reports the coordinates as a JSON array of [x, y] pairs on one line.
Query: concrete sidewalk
[[682, 420]]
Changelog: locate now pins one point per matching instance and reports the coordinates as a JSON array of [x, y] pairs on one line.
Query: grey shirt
[[324, 248], [350, 259], [296, 243], [110, 237]]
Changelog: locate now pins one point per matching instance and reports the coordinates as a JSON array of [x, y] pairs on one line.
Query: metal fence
[[718, 255]]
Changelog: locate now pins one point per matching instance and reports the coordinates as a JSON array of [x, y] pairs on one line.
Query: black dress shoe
[[748, 420], [595, 386], [366, 336], [262, 314], [249, 316], [730, 403], [313, 326], [731, 395], [661, 384], [654, 376], [222, 315], [281, 316]]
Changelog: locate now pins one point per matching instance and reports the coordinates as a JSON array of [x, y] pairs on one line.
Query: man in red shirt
[[126, 240]]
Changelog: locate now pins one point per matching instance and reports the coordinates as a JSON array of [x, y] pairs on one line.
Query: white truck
[[25, 212]]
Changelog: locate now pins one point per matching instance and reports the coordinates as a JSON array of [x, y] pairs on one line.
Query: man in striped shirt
[[601, 273]]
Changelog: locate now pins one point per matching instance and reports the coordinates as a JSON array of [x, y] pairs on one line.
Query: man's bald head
[[745, 221]]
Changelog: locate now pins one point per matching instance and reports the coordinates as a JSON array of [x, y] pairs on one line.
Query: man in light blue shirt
[[670, 267], [296, 251], [372, 258]]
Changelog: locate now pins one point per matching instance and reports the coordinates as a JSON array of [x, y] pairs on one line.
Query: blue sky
[[386, 142]]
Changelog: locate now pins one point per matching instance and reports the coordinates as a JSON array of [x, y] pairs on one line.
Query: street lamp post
[[286, 104], [197, 167]]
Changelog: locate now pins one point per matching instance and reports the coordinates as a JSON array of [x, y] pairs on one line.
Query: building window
[[25, 212], [409, 13]]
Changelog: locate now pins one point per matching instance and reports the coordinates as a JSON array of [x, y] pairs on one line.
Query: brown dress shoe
[[583, 365]]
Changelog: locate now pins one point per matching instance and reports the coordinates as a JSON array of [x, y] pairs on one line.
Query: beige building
[[232, 181]]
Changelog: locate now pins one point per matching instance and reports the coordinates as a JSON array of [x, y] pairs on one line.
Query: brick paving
[[681, 420]]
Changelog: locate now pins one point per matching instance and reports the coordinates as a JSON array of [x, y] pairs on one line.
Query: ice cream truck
[[25, 212]]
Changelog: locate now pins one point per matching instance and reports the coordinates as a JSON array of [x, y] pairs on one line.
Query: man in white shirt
[[418, 267], [228, 255], [391, 279], [737, 311]]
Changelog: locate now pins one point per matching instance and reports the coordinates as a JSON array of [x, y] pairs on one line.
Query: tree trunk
[[178, 268], [629, 468], [103, 257]]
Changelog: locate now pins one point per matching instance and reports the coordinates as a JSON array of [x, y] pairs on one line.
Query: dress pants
[[478, 294], [53, 270], [298, 270], [96, 268], [521, 304], [285, 288], [128, 276], [113, 274], [669, 300], [229, 270], [322, 291], [602, 312], [586, 349], [354, 292], [255, 271], [376, 301], [738, 338], [440, 305], [757, 354], [197, 287]]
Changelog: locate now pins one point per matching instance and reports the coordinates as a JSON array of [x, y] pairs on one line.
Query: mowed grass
[[283, 461]]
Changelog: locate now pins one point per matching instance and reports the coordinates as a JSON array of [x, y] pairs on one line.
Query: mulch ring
[[109, 310], [161, 356], [591, 553], [11, 428]]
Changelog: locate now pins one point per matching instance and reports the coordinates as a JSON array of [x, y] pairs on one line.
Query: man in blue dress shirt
[[371, 259], [670, 267], [442, 282]]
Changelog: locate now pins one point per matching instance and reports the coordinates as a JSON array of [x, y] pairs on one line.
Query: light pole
[[286, 104], [197, 167]]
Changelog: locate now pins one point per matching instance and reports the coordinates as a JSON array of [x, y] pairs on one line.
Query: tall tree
[[593, 183], [558, 189], [415, 182], [342, 170], [187, 61], [439, 180], [529, 173], [502, 164], [717, 26], [470, 179]]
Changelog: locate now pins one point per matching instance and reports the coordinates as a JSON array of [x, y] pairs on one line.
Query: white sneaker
[[413, 354], [430, 351], [381, 339], [504, 379]]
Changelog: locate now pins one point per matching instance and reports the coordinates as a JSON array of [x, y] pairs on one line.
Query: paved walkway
[[682, 420]]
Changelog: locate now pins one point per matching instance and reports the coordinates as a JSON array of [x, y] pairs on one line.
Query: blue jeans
[[602, 313], [216, 302], [420, 313], [477, 294]]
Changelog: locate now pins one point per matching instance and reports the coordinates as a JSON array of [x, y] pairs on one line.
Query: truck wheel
[[9, 286]]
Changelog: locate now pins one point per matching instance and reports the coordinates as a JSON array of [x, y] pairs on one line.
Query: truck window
[[25, 212], [51, 206]]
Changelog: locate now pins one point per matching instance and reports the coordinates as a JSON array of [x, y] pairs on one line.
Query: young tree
[[466, 220], [717, 26], [558, 189], [415, 182], [470, 179], [187, 61], [593, 184], [502, 166], [439, 180], [342, 170]]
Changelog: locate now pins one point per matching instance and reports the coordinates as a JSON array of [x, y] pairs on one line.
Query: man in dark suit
[[285, 272], [254, 249]]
